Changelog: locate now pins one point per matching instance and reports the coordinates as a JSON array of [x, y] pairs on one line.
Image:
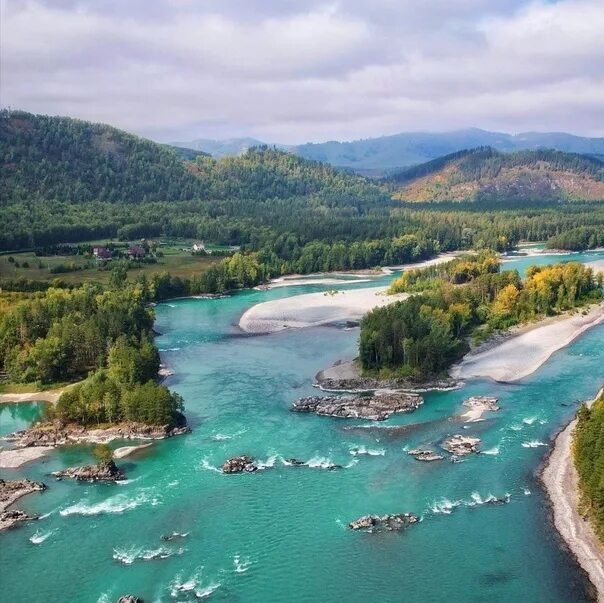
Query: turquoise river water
[[280, 534]]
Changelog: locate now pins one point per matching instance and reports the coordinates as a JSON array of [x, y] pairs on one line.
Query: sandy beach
[[561, 483], [525, 351], [13, 458], [314, 309], [51, 395], [596, 265]]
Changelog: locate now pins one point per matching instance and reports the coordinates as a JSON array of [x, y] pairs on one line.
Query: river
[[280, 534]]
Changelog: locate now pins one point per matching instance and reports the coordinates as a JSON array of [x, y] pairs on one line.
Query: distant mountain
[[485, 174], [223, 148], [377, 155]]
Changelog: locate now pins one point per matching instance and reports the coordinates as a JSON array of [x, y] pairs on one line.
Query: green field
[[176, 260]]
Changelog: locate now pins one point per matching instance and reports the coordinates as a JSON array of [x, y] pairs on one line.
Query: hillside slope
[[44, 157], [485, 174]]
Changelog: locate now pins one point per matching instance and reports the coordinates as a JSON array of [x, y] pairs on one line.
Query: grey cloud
[[291, 71]]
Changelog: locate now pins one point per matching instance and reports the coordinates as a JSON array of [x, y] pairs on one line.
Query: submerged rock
[[377, 407], [239, 464], [397, 521], [173, 536], [425, 455], [295, 462], [459, 445], [130, 599], [106, 471]]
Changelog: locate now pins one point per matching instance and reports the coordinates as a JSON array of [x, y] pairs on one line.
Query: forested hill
[[68, 160], [484, 174]]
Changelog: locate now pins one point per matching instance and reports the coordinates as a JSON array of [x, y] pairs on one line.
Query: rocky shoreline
[[344, 376], [10, 492], [59, 434], [377, 407]]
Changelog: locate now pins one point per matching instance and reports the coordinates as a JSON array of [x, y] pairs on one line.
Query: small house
[[136, 252], [101, 252]]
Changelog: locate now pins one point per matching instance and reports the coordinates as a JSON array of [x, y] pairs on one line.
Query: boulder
[[398, 521], [239, 464], [130, 599], [377, 407], [425, 455], [459, 445], [106, 471]]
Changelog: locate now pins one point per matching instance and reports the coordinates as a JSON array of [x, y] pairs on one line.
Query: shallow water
[[279, 534]]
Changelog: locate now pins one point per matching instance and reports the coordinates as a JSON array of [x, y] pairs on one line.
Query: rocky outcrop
[[106, 471], [295, 462], [239, 464], [59, 434], [371, 523], [483, 403], [425, 455], [377, 407], [459, 445], [130, 599], [10, 492]]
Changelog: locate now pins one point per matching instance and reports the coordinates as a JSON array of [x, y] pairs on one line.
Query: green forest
[[103, 337], [588, 445]]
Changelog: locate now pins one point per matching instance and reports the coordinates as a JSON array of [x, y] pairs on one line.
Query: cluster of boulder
[[398, 521], [459, 445], [105, 471], [240, 464], [377, 407], [425, 455], [482, 403], [10, 492]]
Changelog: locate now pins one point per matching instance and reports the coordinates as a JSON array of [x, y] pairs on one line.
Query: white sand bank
[[596, 265], [314, 309], [15, 457], [562, 484], [525, 352]]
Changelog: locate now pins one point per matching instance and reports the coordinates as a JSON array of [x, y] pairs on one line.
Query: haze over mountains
[[408, 148]]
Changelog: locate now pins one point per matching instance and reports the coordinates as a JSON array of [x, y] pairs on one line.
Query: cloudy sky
[[298, 70]]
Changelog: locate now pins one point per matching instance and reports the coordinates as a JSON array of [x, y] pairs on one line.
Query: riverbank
[[522, 351], [561, 482]]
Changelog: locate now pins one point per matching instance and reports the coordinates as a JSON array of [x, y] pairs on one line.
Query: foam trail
[[192, 585], [115, 504], [205, 464], [40, 537], [492, 451], [241, 565], [363, 450], [533, 444], [132, 554]]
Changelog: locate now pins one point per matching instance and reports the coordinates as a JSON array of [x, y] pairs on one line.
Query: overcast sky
[[304, 70]]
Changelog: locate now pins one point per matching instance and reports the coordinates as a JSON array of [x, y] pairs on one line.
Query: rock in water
[[482, 403], [378, 407], [130, 599], [295, 462], [398, 521], [459, 445], [239, 464], [106, 471], [425, 455]]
